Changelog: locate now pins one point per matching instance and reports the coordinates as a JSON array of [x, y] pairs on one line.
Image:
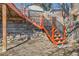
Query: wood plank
[[4, 20], [14, 18]]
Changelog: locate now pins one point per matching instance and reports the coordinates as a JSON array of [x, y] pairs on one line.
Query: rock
[[49, 53], [70, 49], [10, 39], [10, 54], [61, 54], [74, 54], [55, 54], [18, 36], [61, 51]]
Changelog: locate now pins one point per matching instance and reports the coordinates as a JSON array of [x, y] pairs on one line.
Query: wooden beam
[[4, 20], [12, 18]]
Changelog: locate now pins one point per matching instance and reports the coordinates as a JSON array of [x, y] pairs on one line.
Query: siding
[[21, 28]]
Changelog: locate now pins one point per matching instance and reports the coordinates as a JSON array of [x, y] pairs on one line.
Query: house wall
[[18, 29]]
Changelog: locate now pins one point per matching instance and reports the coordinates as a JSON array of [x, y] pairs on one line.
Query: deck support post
[[4, 30]]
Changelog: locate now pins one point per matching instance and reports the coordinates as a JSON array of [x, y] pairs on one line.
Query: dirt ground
[[39, 45]]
